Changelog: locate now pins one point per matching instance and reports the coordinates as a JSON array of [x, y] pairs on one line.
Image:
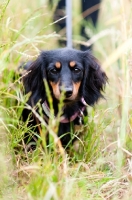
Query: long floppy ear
[[33, 80], [95, 79]]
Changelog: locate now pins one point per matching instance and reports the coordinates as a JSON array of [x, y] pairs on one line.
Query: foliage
[[99, 165]]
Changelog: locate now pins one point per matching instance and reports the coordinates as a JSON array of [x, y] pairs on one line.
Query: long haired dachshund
[[76, 73]]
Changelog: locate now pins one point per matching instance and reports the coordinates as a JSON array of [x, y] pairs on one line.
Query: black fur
[[85, 71]]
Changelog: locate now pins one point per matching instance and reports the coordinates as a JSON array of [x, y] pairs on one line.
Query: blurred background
[[26, 28]]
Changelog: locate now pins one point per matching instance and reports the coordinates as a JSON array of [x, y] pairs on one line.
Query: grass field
[[101, 167]]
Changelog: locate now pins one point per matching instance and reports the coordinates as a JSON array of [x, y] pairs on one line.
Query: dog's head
[[75, 72]]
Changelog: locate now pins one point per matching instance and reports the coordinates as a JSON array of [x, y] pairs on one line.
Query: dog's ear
[[33, 80], [95, 79]]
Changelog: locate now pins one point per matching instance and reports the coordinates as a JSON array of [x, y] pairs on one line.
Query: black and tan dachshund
[[76, 73]]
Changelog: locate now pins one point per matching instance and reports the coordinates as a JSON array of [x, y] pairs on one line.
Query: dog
[[75, 73]]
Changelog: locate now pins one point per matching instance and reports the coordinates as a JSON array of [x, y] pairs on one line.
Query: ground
[[101, 165]]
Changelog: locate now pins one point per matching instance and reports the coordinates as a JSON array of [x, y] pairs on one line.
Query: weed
[[99, 165]]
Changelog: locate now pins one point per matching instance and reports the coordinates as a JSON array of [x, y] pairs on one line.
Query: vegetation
[[99, 166]]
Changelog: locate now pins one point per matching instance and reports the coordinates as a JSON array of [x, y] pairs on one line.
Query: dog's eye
[[76, 70], [54, 71]]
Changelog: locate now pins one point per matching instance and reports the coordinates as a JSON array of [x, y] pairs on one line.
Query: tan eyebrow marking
[[58, 65], [72, 64]]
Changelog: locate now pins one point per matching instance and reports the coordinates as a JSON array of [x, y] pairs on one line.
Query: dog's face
[[76, 73], [65, 72]]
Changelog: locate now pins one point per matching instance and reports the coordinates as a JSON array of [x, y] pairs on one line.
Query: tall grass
[[99, 165]]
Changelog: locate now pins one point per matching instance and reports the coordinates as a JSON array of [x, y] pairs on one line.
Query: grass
[[100, 164]]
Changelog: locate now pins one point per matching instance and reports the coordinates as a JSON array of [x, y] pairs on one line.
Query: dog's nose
[[68, 92]]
